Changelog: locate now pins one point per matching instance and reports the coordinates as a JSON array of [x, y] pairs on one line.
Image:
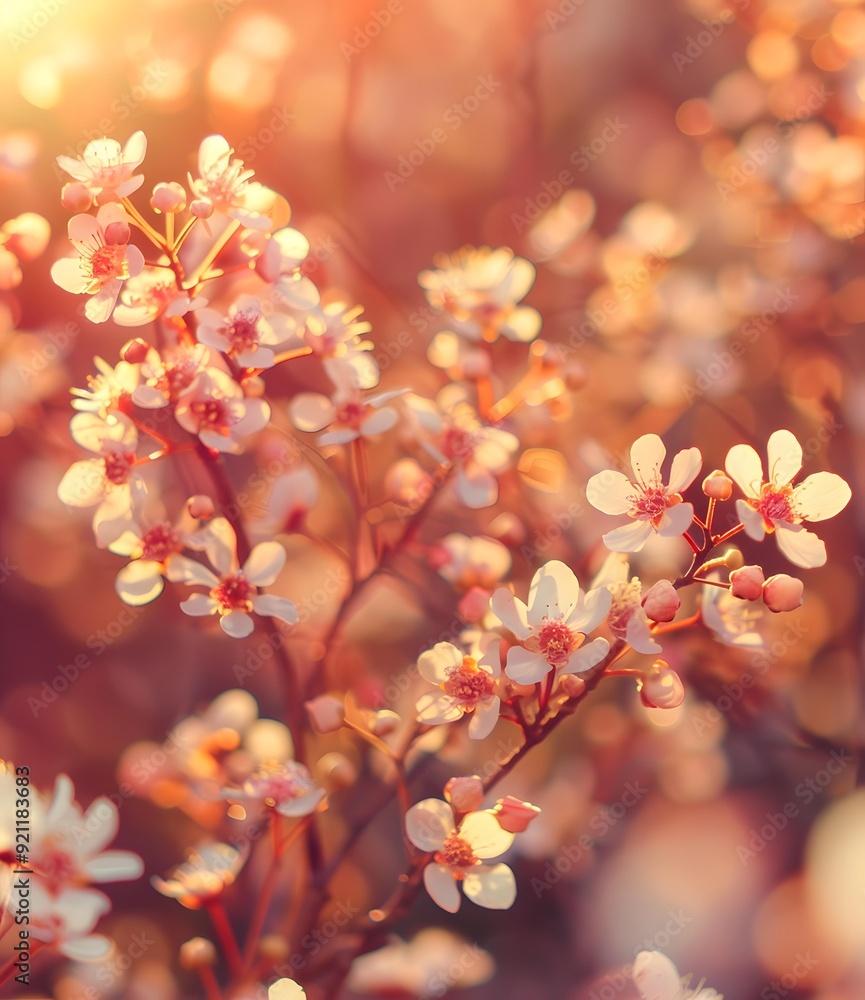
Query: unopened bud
[[465, 794], [26, 235], [733, 559], [661, 687], [514, 815], [326, 713], [385, 722], [75, 197], [168, 196], [661, 602], [477, 365], [575, 375], [337, 770], [254, 387], [747, 583], [508, 529], [408, 484], [197, 953], [571, 686], [473, 605], [200, 506], [134, 351], [783, 593], [201, 208], [718, 485]]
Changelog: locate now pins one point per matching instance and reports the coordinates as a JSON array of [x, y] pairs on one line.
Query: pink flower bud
[[201, 507], [571, 686], [575, 375], [134, 351], [326, 713], [254, 387], [783, 593], [197, 953], [26, 235], [75, 197], [473, 605], [733, 559], [514, 815], [661, 602], [718, 486], [407, 483], [117, 233], [661, 687], [201, 209], [168, 197], [337, 770], [747, 583], [465, 794]]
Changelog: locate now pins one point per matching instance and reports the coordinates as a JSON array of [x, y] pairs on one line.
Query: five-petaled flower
[[287, 787], [105, 260], [459, 853], [203, 877], [552, 629], [244, 333], [234, 594], [216, 408], [106, 170], [468, 685], [775, 506], [650, 504]]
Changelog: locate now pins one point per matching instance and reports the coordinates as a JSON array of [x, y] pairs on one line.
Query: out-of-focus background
[[687, 178]]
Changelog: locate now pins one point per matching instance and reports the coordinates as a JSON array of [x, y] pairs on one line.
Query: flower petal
[[264, 564], [610, 492], [684, 470], [629, 538], [676, 520], [199, 605], [491, 886], [428, 824], [442, 887], [591, 610], [437, 708], [587, 656], [511, 612], [114, 866], [744, 467], [310, 411], [237, 624], [182, 569], [785, 457], [433, 664], [526, 667], [485, 836], [800, 546], [271, 606], [553, 592], [484, 718], [139, 583], [821, 496], [647, 455], [752, 521]]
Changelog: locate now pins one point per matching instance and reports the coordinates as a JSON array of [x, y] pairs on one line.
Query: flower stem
[[224, 932]]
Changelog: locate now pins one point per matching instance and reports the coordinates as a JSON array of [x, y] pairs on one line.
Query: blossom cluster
[[224, 305]]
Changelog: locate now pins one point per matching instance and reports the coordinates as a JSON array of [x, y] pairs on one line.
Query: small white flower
[[203, 877], [468, 685], [475, 561], [286, 989], [776, 506], [216, 408], [151, 294], [106, 170], [626, 618], [650, 504], [657, 978], [234, 594], [459, 853], [285, 786], [244, 333], [552, 629]]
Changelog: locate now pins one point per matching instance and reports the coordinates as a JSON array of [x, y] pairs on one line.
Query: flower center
[[233, 593], [556, 641], [468, 684], [775, 504], [457, 854], [106, 263], [351, 414], [243, 332], [458, 443], [56, 866], [626, 597], [651, 504], [159, 542], [118, 465], [277, 783], [213, 415]]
